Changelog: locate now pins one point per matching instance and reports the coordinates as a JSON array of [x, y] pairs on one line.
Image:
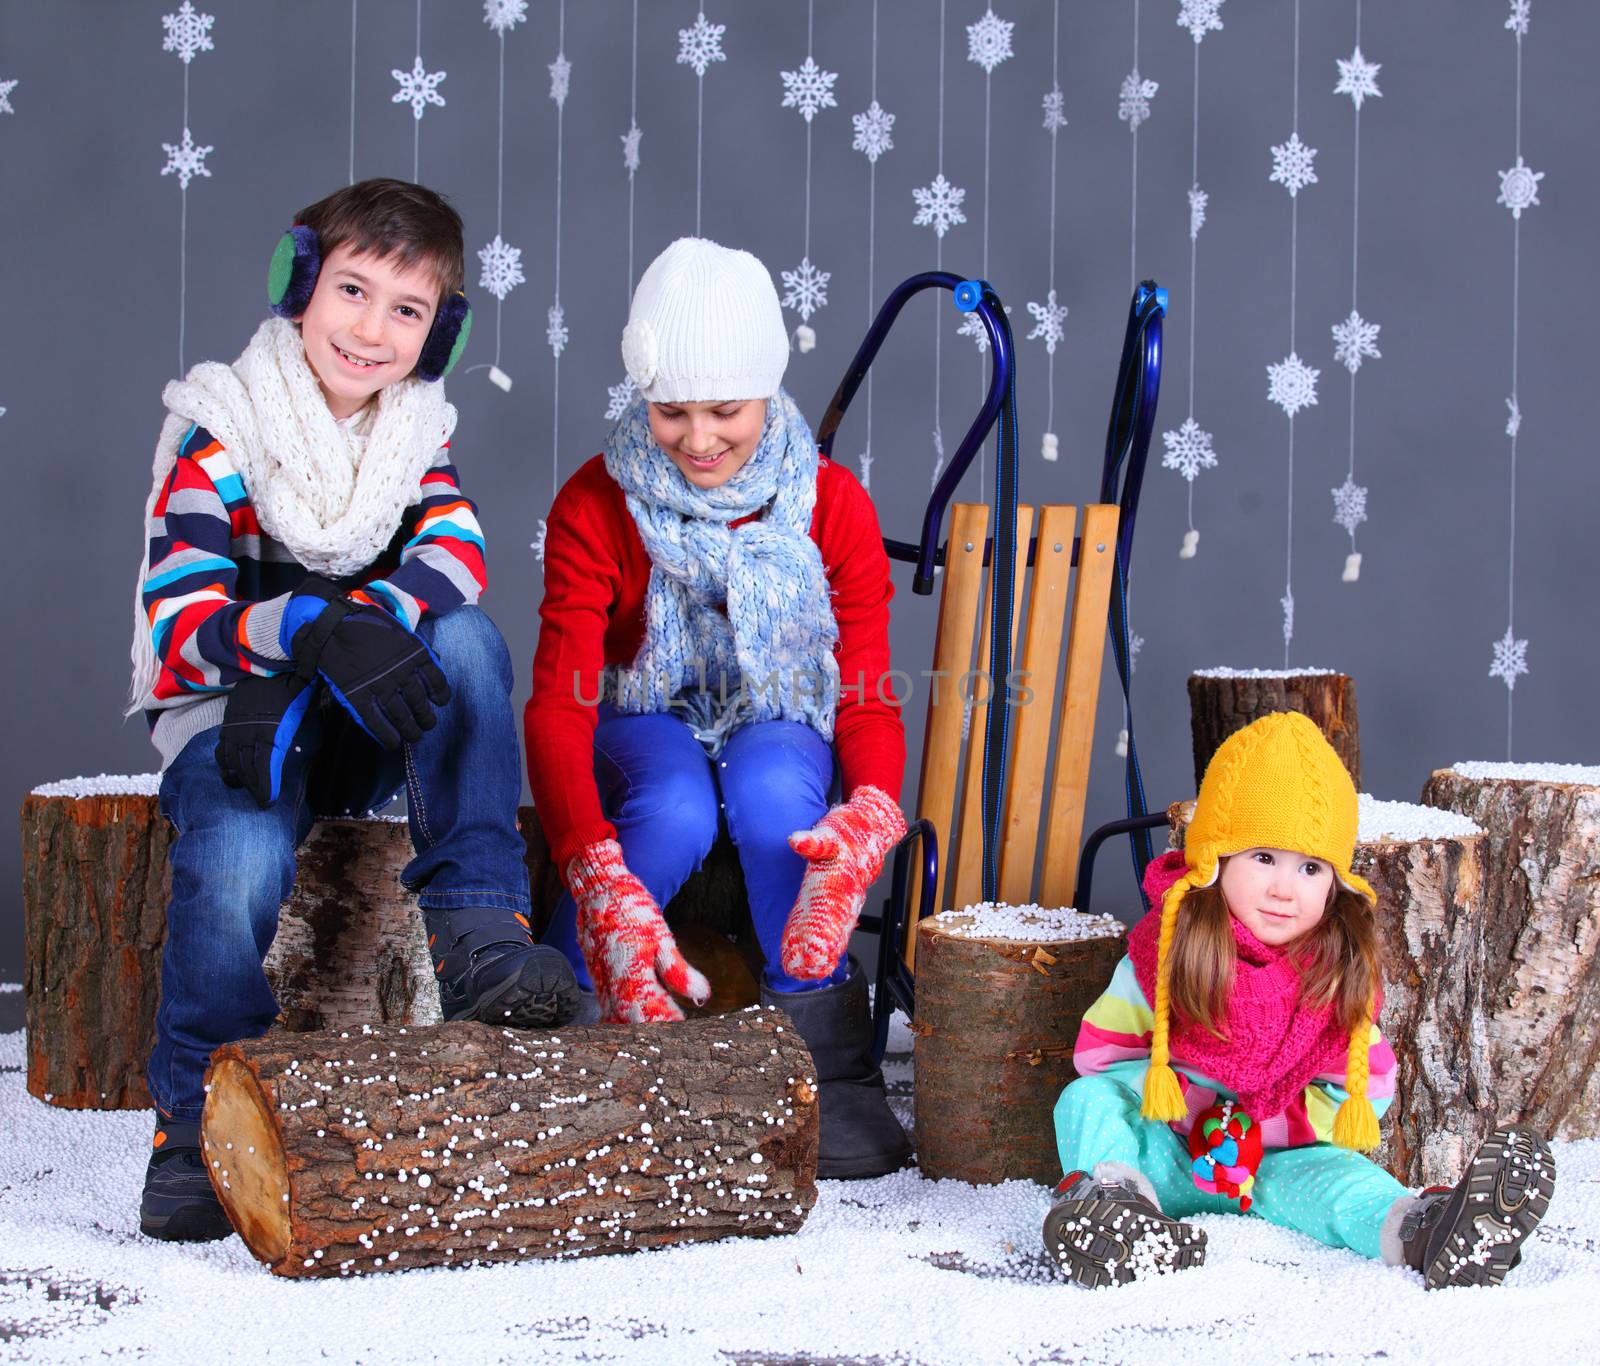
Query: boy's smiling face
[[365, 325]]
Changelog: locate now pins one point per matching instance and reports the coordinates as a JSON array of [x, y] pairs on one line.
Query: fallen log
[[343, 1153]]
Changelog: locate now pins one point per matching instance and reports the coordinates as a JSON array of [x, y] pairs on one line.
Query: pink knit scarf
[[1274, 1045]]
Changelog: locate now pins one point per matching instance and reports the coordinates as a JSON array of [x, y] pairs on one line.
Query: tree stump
[[389, 1148], [1541, 944], [1001, 992], [1222, 701]]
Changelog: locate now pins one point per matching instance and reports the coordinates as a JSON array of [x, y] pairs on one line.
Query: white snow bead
[[805, 338], [1191, 543], [1352, 567], [499, 379], [1122, 744], [1049, 447]]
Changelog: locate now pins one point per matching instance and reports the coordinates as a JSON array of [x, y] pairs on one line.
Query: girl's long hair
[[1339, 960]]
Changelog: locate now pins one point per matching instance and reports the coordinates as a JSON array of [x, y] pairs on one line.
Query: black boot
[[1472, 1233], [489, 969], [179, 1204], [1103, 1231], [860, 1136]]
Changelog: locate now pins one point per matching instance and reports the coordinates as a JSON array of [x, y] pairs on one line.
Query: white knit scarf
[[313, 489]]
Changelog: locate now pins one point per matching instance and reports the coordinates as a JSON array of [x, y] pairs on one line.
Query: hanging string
[[419, 88], [621, 395], [1050, 317], [556, 330], [502, 263], [698, 46], [808, 90], [353, 4], [187, 34], [416, 124], [874, 135]]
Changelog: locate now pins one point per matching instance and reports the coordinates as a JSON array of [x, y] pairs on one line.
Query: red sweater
[[596, 572]]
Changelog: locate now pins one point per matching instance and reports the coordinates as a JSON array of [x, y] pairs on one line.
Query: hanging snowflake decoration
[[539, 538], [630, 149], [1133, 106], [504, 15], [1292, 384], [864, 460], [6, 87], [1048, 322], [555, 331], [939, 206], [1518, 21], [1055, 110], [972, 326], [1350, 505], [418, 87], [809, 89], [1199, 17], [1514, 420], [185, 160], [1291, 165], [874, 131], [1287, 603], [1135, 644], [1197, 211], [1353, 339], [502, 268], [701, 44], [1510, 659], [620, 397], [1358, 78], [560, 79], [989, 41], [805, 288], [188, 32], [1519, 187], [1188, 450]]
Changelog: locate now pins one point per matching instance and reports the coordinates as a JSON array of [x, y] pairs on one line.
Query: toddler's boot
[[489, 969], [1107, 1228], [1472, 1233], [179, 1204]]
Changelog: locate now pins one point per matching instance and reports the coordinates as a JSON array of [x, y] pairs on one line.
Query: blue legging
[[666, 798]]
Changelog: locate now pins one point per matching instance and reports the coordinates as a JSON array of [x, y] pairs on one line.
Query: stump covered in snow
[[1222, 701], [1001, 991], [389, 1148], [1541, 944]]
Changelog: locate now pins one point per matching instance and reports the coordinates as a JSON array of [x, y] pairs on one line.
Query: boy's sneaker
[[1472, 1233], [489, 969], [179, 1204], [1102, 1232]]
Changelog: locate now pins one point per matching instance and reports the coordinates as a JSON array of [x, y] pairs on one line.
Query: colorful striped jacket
[[217, 585], [1114, 1039]]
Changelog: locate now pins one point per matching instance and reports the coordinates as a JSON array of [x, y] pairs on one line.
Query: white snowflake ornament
[[1198, 199], [1354, 338], [1292, 165], [1514, 416], [188, 32], [805, 288], [630, 149], [560, 79], [1199, 17], [939, 206], [620, 397], [539, 538], [1519, 187], [989, 41], [1519, 18], [864, 460], [1133, 103], [809, 89], [1188, 450], [874, 131], [972, 327], [6, 87], [504, 15], [1049, 322], [1358, 78], [701, 44], [1055, 110], [418, 87], [502, 268], [1287, 603], [1510, 659], [1350, 505], [555, 330], [185, 160], [1292, 384]]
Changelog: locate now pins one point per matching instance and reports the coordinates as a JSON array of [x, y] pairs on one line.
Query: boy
[[307, 642]]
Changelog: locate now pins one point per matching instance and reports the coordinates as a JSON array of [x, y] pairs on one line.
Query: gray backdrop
[[91, 283]]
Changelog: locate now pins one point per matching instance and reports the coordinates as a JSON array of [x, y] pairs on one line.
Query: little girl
[[1263, 945], [709, 581]]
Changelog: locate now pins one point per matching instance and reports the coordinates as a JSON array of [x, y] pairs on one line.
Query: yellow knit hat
[[1276, 784]]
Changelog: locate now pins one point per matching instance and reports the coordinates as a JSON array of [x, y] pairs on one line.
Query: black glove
[[259, 725], [383, 674]]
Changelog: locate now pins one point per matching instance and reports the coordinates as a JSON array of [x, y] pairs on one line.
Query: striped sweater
[[1115, 1037], [217, 585]]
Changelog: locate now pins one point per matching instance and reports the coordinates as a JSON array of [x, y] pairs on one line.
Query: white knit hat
[[705, 325]]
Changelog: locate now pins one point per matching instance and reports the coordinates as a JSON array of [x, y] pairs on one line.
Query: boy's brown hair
[[393, 219]]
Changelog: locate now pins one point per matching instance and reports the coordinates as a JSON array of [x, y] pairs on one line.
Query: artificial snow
[[1586, 774], [1030, 923], [1383, 821], [1260, 673], [103, 785]]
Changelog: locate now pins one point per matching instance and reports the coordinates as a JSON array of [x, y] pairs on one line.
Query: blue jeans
[[667, 797], [233, 863]]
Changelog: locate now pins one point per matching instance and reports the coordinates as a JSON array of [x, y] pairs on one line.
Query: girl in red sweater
[[712, 639]]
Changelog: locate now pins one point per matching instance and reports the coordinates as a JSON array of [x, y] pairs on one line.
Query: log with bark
[[1000, 994], [1222, 701], [1541, 943], [342, 1153]]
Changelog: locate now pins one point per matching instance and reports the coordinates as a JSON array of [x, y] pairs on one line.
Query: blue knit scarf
[[769, 654]]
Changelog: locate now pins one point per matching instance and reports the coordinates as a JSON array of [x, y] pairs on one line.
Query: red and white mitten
[[631, 953], [845, 852]]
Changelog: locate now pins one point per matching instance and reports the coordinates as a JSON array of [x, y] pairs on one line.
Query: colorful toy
[[1225, 1144]]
